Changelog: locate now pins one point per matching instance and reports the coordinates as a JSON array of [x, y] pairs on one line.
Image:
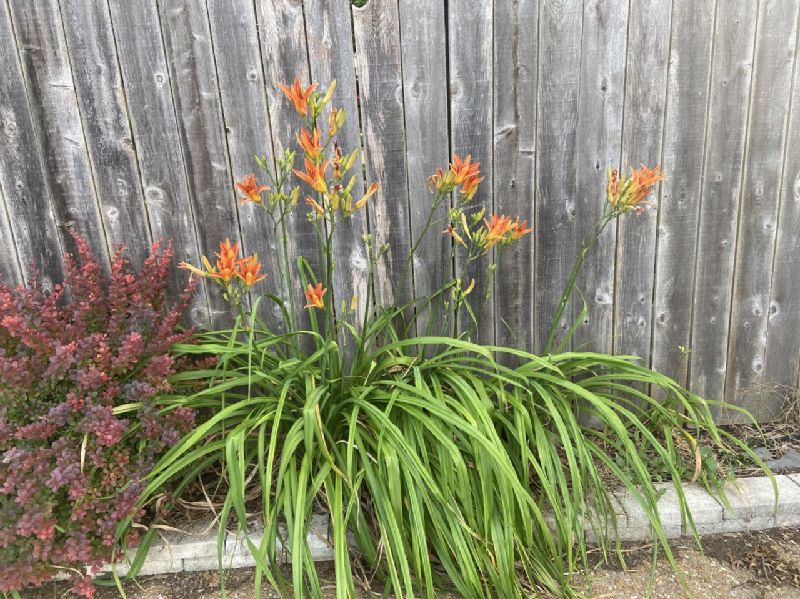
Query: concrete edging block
[[751, 500]]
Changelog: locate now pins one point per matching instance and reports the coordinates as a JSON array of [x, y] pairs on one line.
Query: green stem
[[436, 203], [588, 243]]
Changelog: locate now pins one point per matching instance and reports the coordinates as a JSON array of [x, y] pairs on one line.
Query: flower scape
[[441, 463]]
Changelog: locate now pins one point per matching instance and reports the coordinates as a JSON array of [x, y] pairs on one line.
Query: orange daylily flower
[[251, 190], [298, 95], [470, 186], [630, 193], [497, 227], [314, 175], [462, 169], [310, 142], [248, 270], [314, 296], [519, 229], [227, 264], [369, 193]]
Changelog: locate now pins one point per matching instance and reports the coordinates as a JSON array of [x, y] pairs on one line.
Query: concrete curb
[[752, 501]]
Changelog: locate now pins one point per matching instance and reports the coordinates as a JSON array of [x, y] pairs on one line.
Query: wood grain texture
[[557, 117], [284, 54], [237, 53], [190, 59], [755, 244], [422, 27], [782, 355], [722, 173], [103, 110], [684, 136], [471, 66], [56, 119], [514, 116], [598, 139], [329, 34], [643, 125], [377, 42], [10, 269], [36, 238], [143, 64]]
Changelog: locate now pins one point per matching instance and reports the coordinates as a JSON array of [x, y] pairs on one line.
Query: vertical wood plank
[[377, 40], [755, 244], [598, 139], [143, 65], [329, 34], [782, 355], [22, 174], [193, 78], [423, 31], [10, 270], [684, 134], [98, 83], [284, 54], [471, 63], [557, 116], [722, 173], [54, 108], [237, 52], [514, 116], [645, 85]]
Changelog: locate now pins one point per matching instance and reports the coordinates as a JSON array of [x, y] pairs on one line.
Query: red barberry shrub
[[81, 368]]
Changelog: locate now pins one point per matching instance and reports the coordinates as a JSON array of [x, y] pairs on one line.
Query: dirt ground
[[757, 565]]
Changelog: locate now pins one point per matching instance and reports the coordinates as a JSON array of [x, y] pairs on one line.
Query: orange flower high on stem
[[624, 194], [310, 142], [470, 186], [462, 169], [227, 264], [497, 227], [520, 229], [298, 95], [314, 296], [314, 175], [251, 190], [248, 271]]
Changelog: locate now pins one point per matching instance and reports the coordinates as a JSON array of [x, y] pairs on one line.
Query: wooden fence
[[131, 119]]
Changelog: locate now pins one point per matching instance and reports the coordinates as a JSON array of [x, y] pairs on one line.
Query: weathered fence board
[[515, 69], [237, 53], [470, 60], [36, 238], [684, 134], [755, 244], [642, 131], [380, 71], [103, 109], [284, 54], [422, 29], [598, 141], [143, 64], [57, 121], [557, 117], [133, 121], [725, 137], [783, 328]]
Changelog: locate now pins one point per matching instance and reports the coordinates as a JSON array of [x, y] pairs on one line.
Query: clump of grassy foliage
[[440, 462]]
